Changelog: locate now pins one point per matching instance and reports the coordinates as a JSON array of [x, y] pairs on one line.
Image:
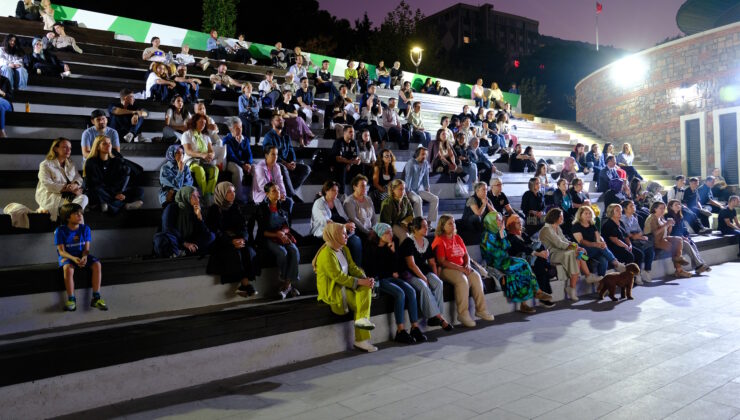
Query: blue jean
[[187, 92], [422, 137], [385, 81], [648, 252], [18, 77], [480, 102], [602, 256], [403, 294], [472, 172], [323, 87], [5, 106], [161, 92], [129, 128], [100, 195], [354, 243], [288, 257], [431, 300]]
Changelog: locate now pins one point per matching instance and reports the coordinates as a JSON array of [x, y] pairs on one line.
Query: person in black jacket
[[43, 62], [231, 256], [108, 179], [183, 228]]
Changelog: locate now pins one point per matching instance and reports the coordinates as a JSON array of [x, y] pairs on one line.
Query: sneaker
[[418, 336], [364, 324], [466, 320], [247, 291], [647, 277], [285, 292], [142, 139], [593, 278], [70, 305], [294, 292], [620, 267], [104, 207], [66, 74], [98, 303], [705, 230], [134, 205], [547, 303], [128, 137], [638, 280], [404, 337], [484, 316], [252, 61], [526, 309], [365, 346], [702, 268]]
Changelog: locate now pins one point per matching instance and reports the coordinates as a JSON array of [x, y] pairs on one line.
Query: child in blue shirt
[[72, 240]]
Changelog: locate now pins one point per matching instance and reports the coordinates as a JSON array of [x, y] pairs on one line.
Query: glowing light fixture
[[415, 55], [629, 71]]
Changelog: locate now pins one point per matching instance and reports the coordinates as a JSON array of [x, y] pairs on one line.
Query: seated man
[[369, 95], [304, 99], [396, 74], [126, 116], [691, 201], [676, 193], [215, 47], [478, 94], [153, 53], [240, 49], [187, 87], [416, 176], [222, 81], [238, 156], [279, 56], [706, 196], [298, 70], [346, 156], [269, 91], [419, 134], [484, 166], [249, 111], [99, 128], [323, 81], [392, 124], [720, 190], [294, 173], [500, 201], [58, 40], [607, 174], [728, 223], [289, 84]]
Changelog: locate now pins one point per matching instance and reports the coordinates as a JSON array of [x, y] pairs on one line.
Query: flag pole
[[597, 31]]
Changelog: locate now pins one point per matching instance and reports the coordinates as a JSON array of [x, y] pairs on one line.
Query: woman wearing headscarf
[[173, 175], [570, 169], [382, 263], [274, 236], [519, 282], [343, 285], [534, 252], [183, 228], [232, 257]]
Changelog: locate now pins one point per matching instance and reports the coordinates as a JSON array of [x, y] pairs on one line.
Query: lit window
[[466, 40]]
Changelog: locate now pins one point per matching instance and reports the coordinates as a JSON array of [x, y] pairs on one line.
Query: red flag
[[599, 6]]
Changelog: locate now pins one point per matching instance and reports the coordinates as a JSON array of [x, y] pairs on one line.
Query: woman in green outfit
[[519, 282], [335, 270]]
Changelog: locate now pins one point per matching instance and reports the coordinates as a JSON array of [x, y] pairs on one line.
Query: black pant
[[696, 212], [402, 137], [542, 272], [626, 257], [218, 53], [295, 178], [343, 176], [251, 127]]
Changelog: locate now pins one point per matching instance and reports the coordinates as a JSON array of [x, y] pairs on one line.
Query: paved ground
[[674, 352]]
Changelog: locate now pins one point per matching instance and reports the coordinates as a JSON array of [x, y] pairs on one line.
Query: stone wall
[[682, 77]]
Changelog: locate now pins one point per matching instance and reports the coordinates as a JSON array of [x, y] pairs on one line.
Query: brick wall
[[647, 114]]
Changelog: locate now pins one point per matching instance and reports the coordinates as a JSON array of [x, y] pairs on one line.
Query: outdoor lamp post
[[415, 55]]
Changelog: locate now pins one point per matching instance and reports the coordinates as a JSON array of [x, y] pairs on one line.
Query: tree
[[221, 16], [534, 96]]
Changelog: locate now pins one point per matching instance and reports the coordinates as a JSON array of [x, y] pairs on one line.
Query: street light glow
[[629, 71]]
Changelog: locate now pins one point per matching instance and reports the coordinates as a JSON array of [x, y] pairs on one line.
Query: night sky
[[628, 24]]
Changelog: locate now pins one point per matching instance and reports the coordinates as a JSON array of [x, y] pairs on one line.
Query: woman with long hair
[[11, 62], [397, 210], [384, 171], [625, 159], [675, 213], [175, 119], [660, 229], [590, 239], [108, 180], [59, 181]]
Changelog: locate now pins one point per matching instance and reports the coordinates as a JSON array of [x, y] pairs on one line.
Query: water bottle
[[28, 107], [526, 169]]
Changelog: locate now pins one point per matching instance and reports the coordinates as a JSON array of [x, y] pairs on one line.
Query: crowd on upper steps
[[368, 220]]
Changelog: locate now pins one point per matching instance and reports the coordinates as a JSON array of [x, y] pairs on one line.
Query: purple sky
[[629, 24]]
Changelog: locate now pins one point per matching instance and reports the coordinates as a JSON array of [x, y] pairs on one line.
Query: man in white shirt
[[393, 123], [297, 69]]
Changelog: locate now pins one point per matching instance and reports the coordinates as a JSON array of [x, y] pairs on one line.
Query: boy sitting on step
[[72, 239]]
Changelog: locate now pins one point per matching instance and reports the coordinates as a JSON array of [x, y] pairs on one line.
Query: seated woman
[[546, 180], [343, 285], [519, 282], [533, 206], [382, 263], [367, 153], [476, 208], [107, 179], [445, 160], [296, 127], [199, 156], [175, 120], [570, 169], [675, 213], [11, 63], [495, 96], [589, 238], [563, 252], [657, 227], [616, 192], [609, 150], [561, 199], [523, 161], [326, 210], [44, 63], [596, 160], [384, 171], [619, 241], [534, 252], [231, 257], [579, 155], [453, 258], [274, 236], [158, 87], [417, 255], [578, 198], [373, 116], [625, 159], [359, 207], [173, 175], [638, 239], [59, 181], [490, 130], [397, 210], [184, 231]]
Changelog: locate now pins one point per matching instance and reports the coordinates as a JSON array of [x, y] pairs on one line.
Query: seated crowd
[[368, 222]]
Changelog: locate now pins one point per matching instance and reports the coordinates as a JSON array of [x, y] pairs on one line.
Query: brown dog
[[624, 280]]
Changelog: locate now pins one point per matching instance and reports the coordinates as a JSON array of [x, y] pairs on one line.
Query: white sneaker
[[253, 61], [638, 280], [128, 137], [364, 324], [366, 346], [466, 320], [484, 316], [571, 292], [593, 278], [647, 277], [142, 139], [134, 205], [620, 267]]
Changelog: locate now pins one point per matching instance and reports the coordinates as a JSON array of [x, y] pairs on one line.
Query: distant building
[[464, 24]]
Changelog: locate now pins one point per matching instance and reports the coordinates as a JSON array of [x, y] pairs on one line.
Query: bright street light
[[629, 71], [415, 55]]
